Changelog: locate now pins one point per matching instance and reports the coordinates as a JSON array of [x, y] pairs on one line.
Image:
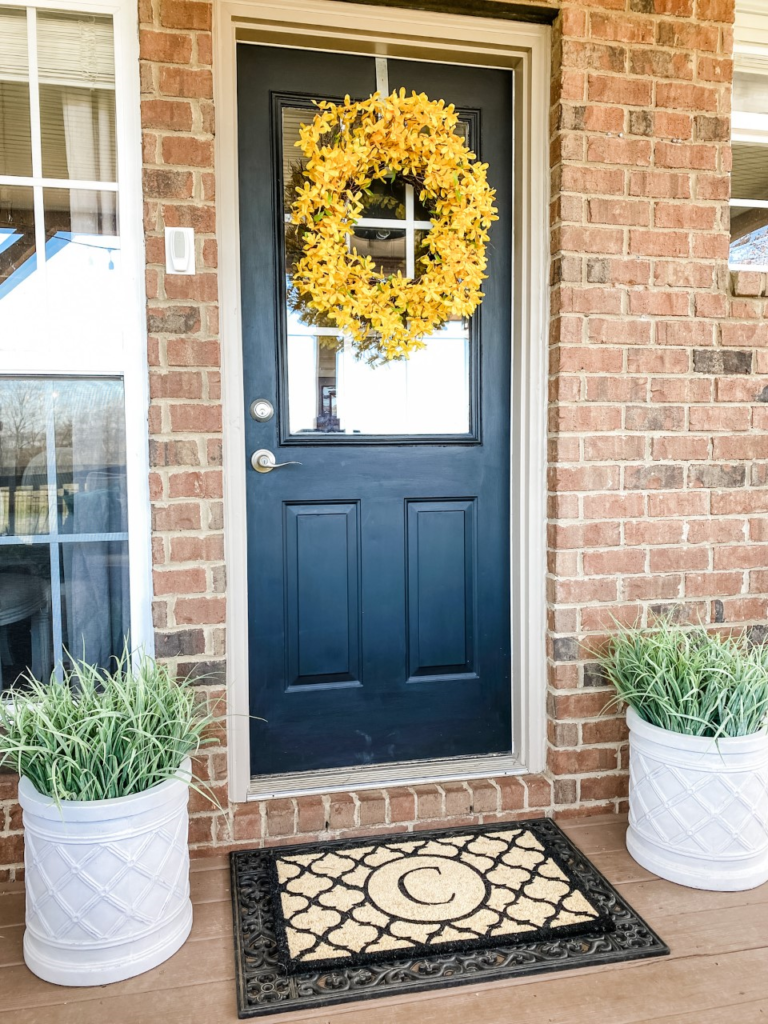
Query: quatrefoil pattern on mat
[[402, 896]]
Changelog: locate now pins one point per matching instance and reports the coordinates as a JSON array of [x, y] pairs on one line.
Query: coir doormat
[[354, 919]]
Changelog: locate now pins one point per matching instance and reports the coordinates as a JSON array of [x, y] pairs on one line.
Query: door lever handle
[[263, 461]]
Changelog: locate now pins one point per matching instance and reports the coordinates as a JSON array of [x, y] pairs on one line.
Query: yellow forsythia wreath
[[350, 145]]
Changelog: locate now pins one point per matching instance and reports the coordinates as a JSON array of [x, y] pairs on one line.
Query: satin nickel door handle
[[263, 461]]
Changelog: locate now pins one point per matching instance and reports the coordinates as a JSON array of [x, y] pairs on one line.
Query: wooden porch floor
[[717, 973]]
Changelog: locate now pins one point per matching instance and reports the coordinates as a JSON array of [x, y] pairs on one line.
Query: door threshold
[[383, 776]]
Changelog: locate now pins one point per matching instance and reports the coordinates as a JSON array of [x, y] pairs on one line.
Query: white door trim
[[355, 28]]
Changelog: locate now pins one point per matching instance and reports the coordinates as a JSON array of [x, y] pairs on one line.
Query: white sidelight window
[[74, 568]]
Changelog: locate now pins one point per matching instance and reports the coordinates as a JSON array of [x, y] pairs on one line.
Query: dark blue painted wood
[[441, 586], [322, 565], [330, 609]]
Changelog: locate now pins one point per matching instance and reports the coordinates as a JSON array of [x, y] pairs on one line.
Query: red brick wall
[[184, 354], [658, 415], [655, 426]]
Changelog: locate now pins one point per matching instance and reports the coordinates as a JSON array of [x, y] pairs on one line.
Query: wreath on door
[[348, 146]]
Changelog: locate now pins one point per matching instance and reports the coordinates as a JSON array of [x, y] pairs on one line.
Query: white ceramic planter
[[698, 808], [107, 883]]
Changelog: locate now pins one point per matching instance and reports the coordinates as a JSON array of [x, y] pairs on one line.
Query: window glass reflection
[[330, 390], [81, 296], [749, 177], [749, 219], [23, 457], [83, 267], [386, 248], [77, 128], [26, 635], [78, 213], [21, 294], [94, 600], [14, 55], [77, 99], [15, 133], [749, 236], [750, 92], [17, 238], [90, 457], [63, 502], [15, 137]]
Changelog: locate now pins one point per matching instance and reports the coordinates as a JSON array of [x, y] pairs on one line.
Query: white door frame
[[417, 35]]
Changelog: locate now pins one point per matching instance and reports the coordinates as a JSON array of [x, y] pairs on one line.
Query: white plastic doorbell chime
[[179, 250]]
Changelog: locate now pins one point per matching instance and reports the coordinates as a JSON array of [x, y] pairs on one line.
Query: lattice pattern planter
[[698, 808], [107, 883]]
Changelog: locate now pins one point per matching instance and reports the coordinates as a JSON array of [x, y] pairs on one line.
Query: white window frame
[[416, 34], [129, 360]]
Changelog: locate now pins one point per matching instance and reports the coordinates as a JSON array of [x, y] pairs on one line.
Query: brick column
[[182, 318], [184, 355], [653, 422]]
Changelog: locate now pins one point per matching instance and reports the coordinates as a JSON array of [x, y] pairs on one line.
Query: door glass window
[[330, 390]]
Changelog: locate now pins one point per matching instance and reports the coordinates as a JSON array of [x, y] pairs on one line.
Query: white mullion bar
[[391, 224], [307, 331], [34, 94], [53, 532], [757, 204], [410, 234], [93, 186], [382, 76], [61, 538], [37, 145], [69, 83]]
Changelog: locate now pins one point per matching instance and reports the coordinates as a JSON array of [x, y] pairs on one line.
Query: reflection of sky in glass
[[82, 276], [8, 237], [751, 250], [54, 246]]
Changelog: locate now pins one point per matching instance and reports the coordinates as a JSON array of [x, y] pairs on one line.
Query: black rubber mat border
[[264, 986]]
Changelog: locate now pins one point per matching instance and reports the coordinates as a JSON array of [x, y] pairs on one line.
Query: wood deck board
[[752, 1013], [599, 836], [719, 947]]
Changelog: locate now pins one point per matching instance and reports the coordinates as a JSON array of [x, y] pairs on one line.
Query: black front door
[[379, 558]]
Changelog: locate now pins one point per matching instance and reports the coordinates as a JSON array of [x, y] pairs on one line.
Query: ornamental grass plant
[[690, 681], [97, 735]]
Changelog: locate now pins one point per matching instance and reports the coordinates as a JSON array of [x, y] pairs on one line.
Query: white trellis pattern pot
[[698, 808], [107, 883]]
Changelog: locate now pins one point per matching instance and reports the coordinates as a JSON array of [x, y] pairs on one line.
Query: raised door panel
[[322, 594], [441, 587]]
